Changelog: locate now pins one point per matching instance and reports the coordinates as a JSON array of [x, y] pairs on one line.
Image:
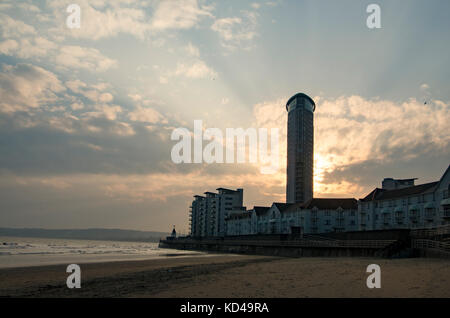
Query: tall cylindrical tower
[[300, 148]]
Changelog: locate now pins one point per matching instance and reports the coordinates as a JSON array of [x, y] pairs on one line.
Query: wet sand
[[234, 276]]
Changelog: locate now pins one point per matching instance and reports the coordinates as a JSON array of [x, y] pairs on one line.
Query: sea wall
[[261, 249], [397, 234]]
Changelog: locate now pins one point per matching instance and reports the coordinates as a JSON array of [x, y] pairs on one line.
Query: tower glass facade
[[300, 148]]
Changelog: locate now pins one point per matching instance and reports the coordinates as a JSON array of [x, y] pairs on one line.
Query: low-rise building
[[315, 216], [398, 204], [407, 205]]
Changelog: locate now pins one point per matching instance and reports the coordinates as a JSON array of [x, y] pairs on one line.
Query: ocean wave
[[73, 247]]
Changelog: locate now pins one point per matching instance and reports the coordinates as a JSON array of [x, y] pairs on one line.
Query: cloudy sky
[[86, 114]]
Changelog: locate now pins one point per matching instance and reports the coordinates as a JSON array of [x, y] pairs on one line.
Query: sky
[[86, 114]]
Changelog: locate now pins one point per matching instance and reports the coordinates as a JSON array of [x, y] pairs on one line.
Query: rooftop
[[383, 194], [331, 203], [260, 209], [228, 190], [302, 95], [410, 179], [283, 206]]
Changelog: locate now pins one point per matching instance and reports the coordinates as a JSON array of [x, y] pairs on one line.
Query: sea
[[27, 251]]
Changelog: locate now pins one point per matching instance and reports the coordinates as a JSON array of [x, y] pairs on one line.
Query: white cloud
[[23, 41], [77, 106], [25, 87], [105, 98], [93, 92], [197, 69], [29, 7], [10, 27], [123, 129], [8, 47], [75, 85], [424, 87], [5, 6], [146, 114], [237, 32], [87, 58], [352, 130], [103, 19], [109, 112], [192, 50], [178, 14]]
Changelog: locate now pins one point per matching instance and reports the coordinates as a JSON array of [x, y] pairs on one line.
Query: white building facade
[[314, 216], [207, 213], [400, 204]]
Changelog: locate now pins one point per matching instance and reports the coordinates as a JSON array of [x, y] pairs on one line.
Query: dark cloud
[[428, 167]]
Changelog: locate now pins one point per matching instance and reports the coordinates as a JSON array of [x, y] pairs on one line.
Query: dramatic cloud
[[77, 57], [356, 138], [102, 19], [23, 41], [86, 114], [24, 87], [10, 27]]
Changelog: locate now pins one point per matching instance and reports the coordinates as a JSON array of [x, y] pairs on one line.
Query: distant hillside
[[87, 234]]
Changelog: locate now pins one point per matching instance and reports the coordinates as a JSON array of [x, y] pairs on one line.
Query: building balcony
[[446, 214]]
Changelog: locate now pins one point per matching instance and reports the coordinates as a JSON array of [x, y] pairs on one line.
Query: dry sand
[[234, 276]]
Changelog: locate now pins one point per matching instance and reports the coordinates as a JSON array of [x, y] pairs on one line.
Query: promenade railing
[[441, 230], [430, 244], [297, 243]]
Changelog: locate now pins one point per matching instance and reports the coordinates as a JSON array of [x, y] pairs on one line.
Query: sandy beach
[[234, 276]]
